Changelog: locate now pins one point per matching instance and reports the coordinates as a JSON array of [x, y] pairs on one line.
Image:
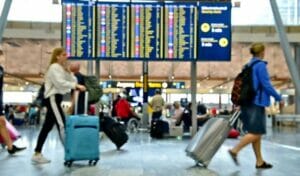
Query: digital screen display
[[214, 31], [78, 30], [112, 31], [180, 31], [146, 31], [152, 31]]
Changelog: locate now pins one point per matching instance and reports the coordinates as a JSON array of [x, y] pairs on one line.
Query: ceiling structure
[[26, 60]]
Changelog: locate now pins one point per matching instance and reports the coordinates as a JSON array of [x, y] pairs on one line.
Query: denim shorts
[[254, 119]]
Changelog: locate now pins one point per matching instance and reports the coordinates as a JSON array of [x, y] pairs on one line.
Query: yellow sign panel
[[150, 85]]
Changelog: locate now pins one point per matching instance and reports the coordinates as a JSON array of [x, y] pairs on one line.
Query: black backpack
[[243, 91]]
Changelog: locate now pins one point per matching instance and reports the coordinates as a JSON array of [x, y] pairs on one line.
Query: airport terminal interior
[[188, 51]]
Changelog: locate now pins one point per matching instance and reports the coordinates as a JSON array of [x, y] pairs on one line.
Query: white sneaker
[[39, 159]]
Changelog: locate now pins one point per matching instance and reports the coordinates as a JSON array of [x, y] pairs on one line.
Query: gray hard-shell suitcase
[[209, 138]]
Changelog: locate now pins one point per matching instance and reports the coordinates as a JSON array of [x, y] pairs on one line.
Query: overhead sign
[[78, 30], [146, 31], [180, 31], [112, 30], [214, 40]]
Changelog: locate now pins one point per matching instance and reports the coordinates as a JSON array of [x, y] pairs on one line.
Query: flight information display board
[[214, 42], [146, 31], [180, 31], [112, 30], [78, 30]]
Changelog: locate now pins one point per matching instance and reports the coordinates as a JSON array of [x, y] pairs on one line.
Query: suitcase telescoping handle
[[234, 117], [76, 97]]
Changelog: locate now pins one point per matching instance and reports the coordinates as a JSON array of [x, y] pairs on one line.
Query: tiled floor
[[145, 156]]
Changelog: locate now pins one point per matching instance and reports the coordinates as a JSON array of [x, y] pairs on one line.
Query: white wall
[[18, 97]]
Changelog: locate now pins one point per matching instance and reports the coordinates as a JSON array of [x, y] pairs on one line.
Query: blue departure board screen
[[112, 31], [214, 31], [78, 30], [146, 31], [180, 31]]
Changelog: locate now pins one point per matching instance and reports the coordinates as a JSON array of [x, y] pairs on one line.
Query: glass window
[[259, 12], [35, 10], [1, 6], [250, 12]]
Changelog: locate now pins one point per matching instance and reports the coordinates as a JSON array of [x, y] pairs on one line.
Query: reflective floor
[[145, 156]]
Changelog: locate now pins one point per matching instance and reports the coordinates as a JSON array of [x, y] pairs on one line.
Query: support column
[[90, 70], [193, 94], [97, 69], [286, 48], [297, 95], [145, 118], [3, 17]]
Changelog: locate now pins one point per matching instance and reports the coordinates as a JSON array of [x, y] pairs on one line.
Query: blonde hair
[[257, 48], [56, 52]]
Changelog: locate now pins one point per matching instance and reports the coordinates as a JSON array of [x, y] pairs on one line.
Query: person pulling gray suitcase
[[209, 139]]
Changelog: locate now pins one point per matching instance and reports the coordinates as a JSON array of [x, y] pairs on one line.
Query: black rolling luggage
[[114, 130], [158, 128]]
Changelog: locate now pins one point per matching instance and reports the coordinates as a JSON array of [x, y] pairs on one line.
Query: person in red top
[[214, 112], [123, 109]]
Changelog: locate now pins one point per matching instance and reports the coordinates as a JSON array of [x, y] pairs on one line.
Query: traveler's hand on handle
[[80, 87]]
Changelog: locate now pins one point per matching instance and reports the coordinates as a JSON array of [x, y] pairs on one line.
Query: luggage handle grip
[[76, 97]]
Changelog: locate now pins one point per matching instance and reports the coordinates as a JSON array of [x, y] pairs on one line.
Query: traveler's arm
[[265, 82]]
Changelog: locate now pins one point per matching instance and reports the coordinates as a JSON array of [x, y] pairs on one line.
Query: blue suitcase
[[82, 139]]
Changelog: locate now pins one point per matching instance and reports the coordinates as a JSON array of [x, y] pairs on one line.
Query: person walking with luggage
[[58, 81], [253, 115], [11, 149], [157, 103]]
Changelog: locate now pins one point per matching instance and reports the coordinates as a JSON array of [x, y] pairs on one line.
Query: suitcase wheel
[[68, 163], [93, 162], [133, 125]]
